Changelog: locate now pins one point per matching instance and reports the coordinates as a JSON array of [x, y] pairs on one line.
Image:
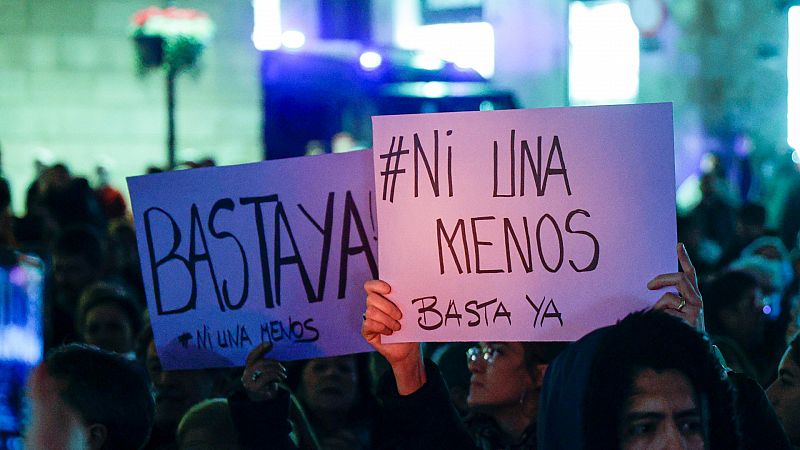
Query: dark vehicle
[[312, 96]]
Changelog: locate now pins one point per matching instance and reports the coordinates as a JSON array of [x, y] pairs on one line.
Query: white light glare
[[434, 89], [796, 157], [464, 44], [293, 39], [604, 54], [370, 60], [792, 72], [427, 61], [267, 24]]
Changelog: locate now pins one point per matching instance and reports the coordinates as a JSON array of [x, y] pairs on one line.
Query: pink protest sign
[[275, 252], [539, 224]]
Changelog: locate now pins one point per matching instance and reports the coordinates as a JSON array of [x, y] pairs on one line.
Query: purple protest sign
[[539, 224], [275, 251]]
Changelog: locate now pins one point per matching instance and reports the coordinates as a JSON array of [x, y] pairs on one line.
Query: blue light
[[370, 60], [767, 309], [293, 39]]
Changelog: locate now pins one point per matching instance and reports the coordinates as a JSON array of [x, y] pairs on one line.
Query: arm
[[382, 319], [260, 410]]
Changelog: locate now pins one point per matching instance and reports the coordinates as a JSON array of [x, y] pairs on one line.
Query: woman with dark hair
[[336, 394], [337, 408], [784, 393]]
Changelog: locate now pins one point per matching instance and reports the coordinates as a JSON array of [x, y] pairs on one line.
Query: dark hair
[[101, 293], [81, 241], [537, 353], [365, 401], [752, 214], [107, 389], [655, 340], [725, 292]]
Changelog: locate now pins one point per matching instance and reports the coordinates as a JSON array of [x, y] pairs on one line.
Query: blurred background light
[[370, 60], [427, 61], [267, 24], [793, 72], [603, 53], [434, 89], [293, 39], [468, 45]]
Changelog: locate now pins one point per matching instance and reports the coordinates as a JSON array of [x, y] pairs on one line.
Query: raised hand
[[686, 303], [382, 319], [261, 375]]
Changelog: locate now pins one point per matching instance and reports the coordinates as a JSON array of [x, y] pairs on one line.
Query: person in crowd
[[85, 398], [109, 318], [7, 238], [449, 357], [751, 219], [714, 215], [506, 378], [336, 393], [77, 261], [736, 322], [784, 392], [123, 258], [654, 382], [260, 408], [175, 391], [208, 425], [111, 201]]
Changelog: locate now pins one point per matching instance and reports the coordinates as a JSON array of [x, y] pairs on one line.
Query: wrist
[[409, 374]]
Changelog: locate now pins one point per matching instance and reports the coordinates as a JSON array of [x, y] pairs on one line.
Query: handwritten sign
[[537, 224], [275, 251]]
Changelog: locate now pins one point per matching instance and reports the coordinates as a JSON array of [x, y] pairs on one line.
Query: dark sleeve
[[425, 419], [262, 425], [761, 427]]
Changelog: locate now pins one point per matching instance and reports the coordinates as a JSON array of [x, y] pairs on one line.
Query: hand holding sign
[[261, 376], [381, 319], [687, 304]]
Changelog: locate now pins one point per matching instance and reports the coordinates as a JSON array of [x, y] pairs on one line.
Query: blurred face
[[72, 273], [784, 393], [750, 316], [661, 413], [53, 423], [330, 384], [176, 390], [108, 327], [499, 376]]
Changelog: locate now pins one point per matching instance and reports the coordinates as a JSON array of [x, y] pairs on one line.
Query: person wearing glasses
[[506, 376]]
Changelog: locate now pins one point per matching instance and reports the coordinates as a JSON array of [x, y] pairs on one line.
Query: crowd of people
[[715, 364]]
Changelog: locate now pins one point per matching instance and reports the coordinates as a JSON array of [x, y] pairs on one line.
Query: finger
[[688, 289], [378, 315], [685, 261], [377, 286], [664, 280], [258, 352], [668, 301], [267, 365], [371, 328], [382, 303]]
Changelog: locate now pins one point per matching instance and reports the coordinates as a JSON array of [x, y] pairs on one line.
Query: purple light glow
[[17, 276]]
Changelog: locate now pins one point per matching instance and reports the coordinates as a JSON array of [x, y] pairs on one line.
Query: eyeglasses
[[489, 354]]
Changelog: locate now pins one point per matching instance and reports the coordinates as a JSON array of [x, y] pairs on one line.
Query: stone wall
[[69, 89]]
